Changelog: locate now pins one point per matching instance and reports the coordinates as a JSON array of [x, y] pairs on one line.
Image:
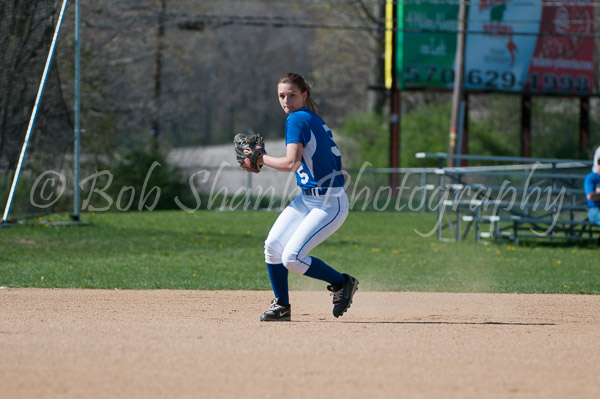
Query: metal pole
[[457, 93], [248, 191], [584, 124], [465, 130], [525, 125], [33, 114], [424, 194], [461, 128], [76, 206], [394, 155], [158, 62]]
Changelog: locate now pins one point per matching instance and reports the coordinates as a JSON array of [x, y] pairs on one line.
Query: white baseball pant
[[303, 225]]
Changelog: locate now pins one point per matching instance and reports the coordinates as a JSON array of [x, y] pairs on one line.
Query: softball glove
[[248, 150]]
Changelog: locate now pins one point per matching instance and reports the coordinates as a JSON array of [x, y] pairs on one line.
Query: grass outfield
[[223, 250]]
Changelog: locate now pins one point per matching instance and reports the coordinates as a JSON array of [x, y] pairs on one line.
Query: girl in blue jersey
[[316, 213], [591, 185]]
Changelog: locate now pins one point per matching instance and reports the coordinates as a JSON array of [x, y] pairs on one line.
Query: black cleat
[[342, 294], [277, 312]]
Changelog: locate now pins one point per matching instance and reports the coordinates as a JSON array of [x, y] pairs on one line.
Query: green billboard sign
[[426, 45], [514, 46]]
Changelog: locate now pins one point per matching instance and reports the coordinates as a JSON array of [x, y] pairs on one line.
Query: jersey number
[[303, 175], [334, 149]]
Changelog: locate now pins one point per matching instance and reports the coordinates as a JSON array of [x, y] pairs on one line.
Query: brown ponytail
[[304, 86]]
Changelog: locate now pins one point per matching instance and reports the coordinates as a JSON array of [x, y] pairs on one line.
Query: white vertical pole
[[248, 191], [33, 114], [76, 206]]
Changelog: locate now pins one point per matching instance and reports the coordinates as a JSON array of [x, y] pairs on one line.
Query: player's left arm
[[289, 163]]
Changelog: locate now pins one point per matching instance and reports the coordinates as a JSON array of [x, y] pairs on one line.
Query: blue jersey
[[592, 180], [321, 164]]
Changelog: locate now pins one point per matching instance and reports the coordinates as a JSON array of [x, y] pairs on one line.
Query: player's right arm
[[289, 163], [593, 196], [589, 185]]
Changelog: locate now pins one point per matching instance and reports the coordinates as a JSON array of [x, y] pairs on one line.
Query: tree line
[[156, 74]]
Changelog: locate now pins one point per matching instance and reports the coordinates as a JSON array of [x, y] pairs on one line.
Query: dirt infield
[[209, 344]]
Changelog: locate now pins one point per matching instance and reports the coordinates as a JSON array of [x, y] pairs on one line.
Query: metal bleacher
[[512, 198]]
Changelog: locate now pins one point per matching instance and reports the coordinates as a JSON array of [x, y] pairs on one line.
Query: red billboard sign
[[563, 60]]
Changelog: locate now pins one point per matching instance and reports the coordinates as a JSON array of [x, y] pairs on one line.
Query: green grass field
[[223, 250]]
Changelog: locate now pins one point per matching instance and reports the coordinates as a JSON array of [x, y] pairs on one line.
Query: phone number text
[[433, 76]]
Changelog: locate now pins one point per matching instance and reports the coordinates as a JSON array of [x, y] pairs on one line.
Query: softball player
[[316, 213]]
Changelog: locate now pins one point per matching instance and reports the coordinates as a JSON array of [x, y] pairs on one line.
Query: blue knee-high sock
[[278, 275], [322, 271]]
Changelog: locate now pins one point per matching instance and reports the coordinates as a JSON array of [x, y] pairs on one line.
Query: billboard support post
[[458, 90]]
